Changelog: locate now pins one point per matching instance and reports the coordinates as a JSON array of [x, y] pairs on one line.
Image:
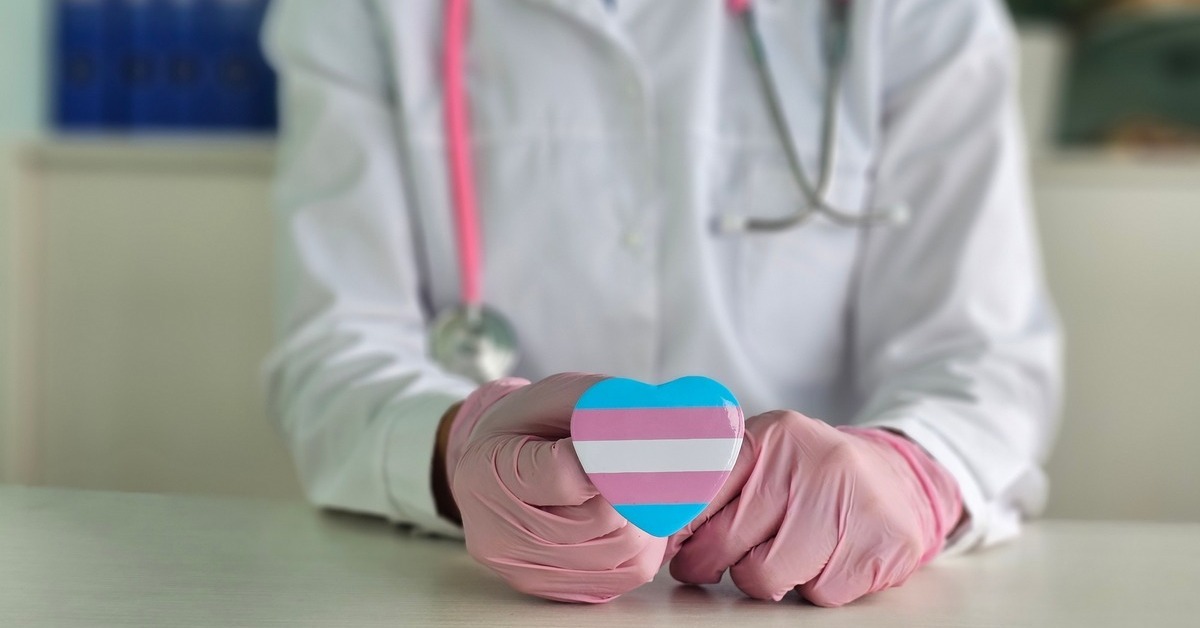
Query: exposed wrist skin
[[442, 496]]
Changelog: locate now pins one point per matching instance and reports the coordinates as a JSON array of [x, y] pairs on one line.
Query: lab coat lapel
[[589, 13], [593, 16]]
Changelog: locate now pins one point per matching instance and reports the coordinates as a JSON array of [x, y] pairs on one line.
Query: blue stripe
[[660, 520], [686, 392]]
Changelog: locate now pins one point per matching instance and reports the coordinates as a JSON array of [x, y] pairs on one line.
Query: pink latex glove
[[835, 512], [529, 512]]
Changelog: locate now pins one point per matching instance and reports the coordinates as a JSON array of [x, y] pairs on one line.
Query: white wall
[[1120, 241], [22, 102], [22, 53], [144, 317]]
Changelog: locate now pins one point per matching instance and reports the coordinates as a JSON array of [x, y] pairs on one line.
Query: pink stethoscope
[[477, 342]]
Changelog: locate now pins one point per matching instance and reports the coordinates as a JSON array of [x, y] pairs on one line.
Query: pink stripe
[[670, 487], [655, 423]]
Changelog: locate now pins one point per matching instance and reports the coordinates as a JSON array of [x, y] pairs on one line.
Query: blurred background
[[136, 151]]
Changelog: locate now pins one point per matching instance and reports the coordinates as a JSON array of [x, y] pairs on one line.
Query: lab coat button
[[632, 240]]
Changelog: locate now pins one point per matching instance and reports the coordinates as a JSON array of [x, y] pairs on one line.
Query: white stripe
[[629, 456]]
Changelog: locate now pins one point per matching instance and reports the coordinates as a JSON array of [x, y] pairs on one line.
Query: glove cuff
[[471, 411], [938, 486]]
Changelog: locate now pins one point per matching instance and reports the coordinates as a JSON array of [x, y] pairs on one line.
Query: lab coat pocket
[[795, 284]]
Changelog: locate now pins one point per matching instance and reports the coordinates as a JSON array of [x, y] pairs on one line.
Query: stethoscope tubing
[[461, 167]]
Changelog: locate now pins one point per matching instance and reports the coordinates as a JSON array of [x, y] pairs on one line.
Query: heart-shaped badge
[[658, 454]]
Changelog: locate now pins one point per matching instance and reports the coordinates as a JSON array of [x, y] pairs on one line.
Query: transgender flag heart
[[658, 454]]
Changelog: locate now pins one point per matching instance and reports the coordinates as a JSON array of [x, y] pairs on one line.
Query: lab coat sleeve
[[350, 383], [957, 344]]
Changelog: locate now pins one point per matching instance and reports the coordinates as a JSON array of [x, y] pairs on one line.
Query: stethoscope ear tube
[[891, 216], [836, 47]]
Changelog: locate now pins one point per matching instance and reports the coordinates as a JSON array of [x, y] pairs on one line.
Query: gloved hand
[[835, 512], [528, 510]]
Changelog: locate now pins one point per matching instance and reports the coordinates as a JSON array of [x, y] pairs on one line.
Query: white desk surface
[[73, 558]]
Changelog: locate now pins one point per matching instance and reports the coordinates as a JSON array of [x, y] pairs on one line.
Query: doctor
[[821, 204]]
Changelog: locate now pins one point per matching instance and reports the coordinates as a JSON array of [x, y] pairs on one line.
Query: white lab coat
[[606, 144]]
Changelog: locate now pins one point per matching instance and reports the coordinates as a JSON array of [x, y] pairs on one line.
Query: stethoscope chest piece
[[475, 342]]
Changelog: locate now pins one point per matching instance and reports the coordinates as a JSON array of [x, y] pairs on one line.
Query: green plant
[[1069, 11]]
